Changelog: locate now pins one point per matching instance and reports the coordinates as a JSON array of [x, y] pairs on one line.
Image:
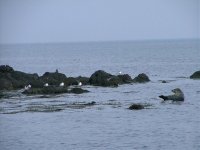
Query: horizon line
[[101, 41]]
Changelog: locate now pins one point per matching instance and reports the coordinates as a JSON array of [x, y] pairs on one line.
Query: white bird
[[27, 87], [80, 84], [46, 84], [62, 84], [120, 72]]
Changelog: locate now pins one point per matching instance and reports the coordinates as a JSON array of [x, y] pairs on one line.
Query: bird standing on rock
[[80, 84], [27, 87], [62, 84], [46, 84]]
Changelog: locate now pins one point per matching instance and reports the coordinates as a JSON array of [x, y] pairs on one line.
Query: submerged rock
[[53, 90], [177, 96], [195, 75], [139, 106], [46, 90], [141, 78], [136, 107], [78, 91]]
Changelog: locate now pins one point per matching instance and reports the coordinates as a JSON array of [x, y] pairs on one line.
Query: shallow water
[[36, 122]]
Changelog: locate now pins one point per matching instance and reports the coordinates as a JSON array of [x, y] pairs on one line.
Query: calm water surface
[[109, 124]]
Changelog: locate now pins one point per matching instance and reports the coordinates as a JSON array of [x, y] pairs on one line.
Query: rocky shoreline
[[57, 83], [53, 83]]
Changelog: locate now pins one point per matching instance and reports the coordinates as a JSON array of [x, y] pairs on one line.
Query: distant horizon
[[107, 41]]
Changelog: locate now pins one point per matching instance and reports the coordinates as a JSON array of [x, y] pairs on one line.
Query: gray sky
[[31, 21]]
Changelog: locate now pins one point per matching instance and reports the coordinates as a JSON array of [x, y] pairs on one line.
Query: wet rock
[[44, 108], [71, 81], [102, 78], [11, 80], [6, 69], [78, 91], [53, 78], [46, 90], [139, 106], [177, 96], [195, 75], [83, 80], [5, 84], [136, 107], [141, 78], [125, 78], [80, 105], [53, 90]]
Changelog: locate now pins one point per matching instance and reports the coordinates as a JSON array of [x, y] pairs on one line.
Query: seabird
[[62, 84], [80, 84], [27, 87], [46, 84]]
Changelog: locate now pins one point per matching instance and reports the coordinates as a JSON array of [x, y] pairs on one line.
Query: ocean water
[[108, 124]]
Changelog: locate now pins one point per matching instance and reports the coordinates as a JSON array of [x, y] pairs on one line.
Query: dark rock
[[53, 78], [195, 75], [11, 80], [125, 78], [6, 69], [141, 78], [46, 90], [44, 108], [80, 105], [78, 91], [5, 84], [90, 103], [71, 81], [53, 90], [136, 107], [102, 78], [83, 80], [164, 81]]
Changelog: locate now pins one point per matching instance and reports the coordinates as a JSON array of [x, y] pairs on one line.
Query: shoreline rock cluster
[[58, 83], [11, 79]]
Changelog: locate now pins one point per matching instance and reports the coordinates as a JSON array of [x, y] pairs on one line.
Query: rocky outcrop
[[125, 78], [53, 78], [53, 90], [46, 90], [195, 75], [102, 78], [141, 78], [78, 91], [6, 69], [177, 96], [11, 79]]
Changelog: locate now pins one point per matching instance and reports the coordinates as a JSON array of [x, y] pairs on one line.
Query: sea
[[109, 125]]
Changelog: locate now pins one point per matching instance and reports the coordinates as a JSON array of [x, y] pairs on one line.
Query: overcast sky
[[32, 21]]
